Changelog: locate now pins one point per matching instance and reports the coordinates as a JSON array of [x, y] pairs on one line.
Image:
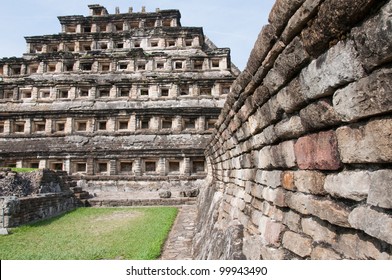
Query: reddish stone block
[[318, 151], [288, 180]]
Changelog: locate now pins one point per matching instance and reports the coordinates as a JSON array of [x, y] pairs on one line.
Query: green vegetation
[[23, 170], [92, 234]]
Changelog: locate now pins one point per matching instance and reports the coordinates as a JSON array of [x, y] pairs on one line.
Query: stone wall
[[152, 186], [26, 184], [300, 163], [18, 211], [33, 196]]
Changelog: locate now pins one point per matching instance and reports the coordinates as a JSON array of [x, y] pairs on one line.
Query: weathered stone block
[[227, 198], [234, 124], [275, 51], [243, 218], [265, 158], [257, 79], [284, 155], [264, 42], [276, 196], [190, 193], [373, 38], [318, 151], [320, 114], [264, 138], [367, 97], [269, 178], [256, 217], [327, 210], [257, 204], [288, 63], [299, 19], [330, 211], [298, 202], [352, 185], [288, 180], [291, 98], [367, 143], [273, 80], [318, 230], [309, 182], [248, 198], [242, 133], [380, 193], [260, 96], [270, 231], [302, 246], [281, 155], [252, 247], [320, 253], [240, 101], [291, 128], [238, 203], [334, 19], [275, 111], [353, 246], [275, 213], [292, 220], [257, 191], [374, 223], [282, 11], [259, 120], [269, 253], [248, 174], [337, 67], [292, 59], [240, 83], [239, 192], [165, 194], [246, 110]]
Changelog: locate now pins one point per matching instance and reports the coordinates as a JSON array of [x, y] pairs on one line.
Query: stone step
[[82, 195], [77, 189]]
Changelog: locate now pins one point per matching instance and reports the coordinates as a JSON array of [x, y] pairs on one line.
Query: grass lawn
[[23, 170], [92, 234]]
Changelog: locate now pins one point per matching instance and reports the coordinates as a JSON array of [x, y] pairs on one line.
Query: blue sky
[[228, 23]]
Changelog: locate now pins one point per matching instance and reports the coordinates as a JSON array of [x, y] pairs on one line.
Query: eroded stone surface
[[367, 143], [298, 244], [380, 193], [373, 38], [337, 67], [351, 185], [334, 19], [369, 96], [318, 151], [372, 222]]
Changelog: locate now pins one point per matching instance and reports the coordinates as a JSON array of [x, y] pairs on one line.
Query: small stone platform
[[105, 199]]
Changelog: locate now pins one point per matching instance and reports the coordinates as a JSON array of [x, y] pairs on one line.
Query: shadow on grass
[[49, 220]]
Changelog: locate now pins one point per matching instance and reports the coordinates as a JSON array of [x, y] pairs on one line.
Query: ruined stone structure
[[301, 159], [122, 102], [34, 196]]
